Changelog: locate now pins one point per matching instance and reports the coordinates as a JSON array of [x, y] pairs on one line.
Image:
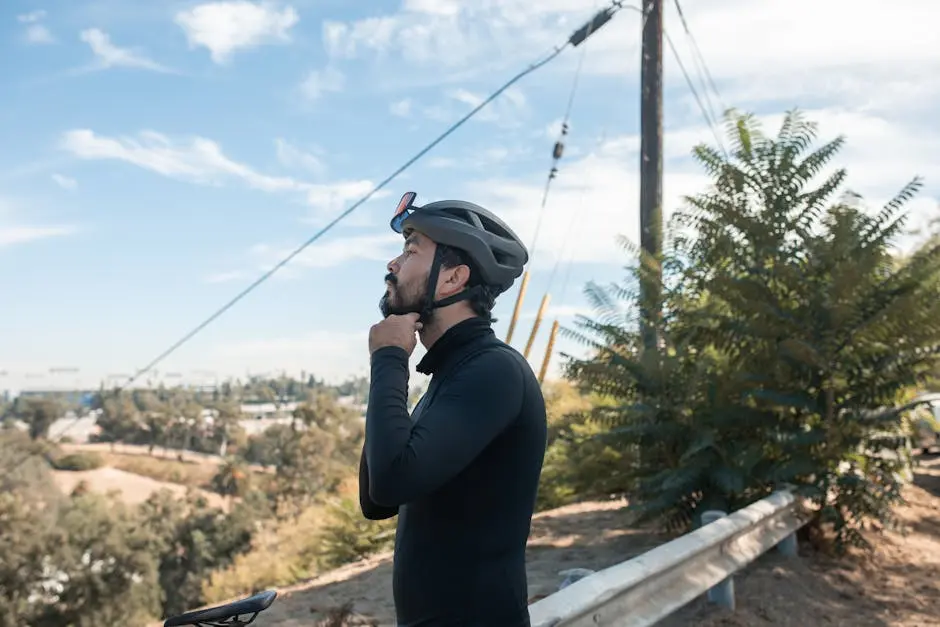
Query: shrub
[[78, 461], [348, 536], [282, 553]]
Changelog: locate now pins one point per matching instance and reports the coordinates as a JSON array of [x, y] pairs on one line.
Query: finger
[[418, 326], [413, 316]]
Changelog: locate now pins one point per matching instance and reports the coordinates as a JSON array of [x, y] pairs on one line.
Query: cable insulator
[[558, 151], [553, 173], [564, 128], [577, 38]]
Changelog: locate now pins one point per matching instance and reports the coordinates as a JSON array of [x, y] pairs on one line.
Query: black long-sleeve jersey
[[462, 474]]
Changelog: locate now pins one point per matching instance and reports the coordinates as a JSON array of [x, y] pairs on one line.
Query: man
[[462, 471]]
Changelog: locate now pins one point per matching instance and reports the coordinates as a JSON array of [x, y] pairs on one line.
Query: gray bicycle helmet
[[496, 252]]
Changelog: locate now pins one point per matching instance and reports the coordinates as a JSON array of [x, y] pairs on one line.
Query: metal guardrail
[[647, 588]]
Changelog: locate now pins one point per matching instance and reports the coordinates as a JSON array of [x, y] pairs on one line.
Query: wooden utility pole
[[651, 171]]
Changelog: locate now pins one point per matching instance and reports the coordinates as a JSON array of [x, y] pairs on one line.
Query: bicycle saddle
[[228, 615]]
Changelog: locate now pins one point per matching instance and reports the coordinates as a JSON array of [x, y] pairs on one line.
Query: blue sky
[[161, 155]]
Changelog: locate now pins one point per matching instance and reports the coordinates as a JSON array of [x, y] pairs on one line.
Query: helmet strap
[[430, 304]]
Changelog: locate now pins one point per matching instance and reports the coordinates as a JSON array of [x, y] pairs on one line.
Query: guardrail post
[[788, 546], [722, 593]]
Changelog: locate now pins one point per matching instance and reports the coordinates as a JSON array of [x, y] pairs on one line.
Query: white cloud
[[330, 198], [14, 231], [30, 18], [319, 82], [202, 161], [334, 251], [39, 34], [441, 162], [292, 157], [36, 33], [776, 53], [196, 159], [65, 182], [401, 108], [504, 110], [21, 234], [507, 110], [595, 198], [481, 158], [433, 7], [108, 55], [225, 27]]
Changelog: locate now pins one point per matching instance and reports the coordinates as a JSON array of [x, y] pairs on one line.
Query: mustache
[[391, 278]]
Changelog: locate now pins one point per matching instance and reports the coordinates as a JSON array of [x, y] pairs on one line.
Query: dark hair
[[484, 299]]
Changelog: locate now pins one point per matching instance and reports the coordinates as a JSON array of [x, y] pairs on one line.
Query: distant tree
[[192, 540], [232, 479], [101, 553], [38, 413], [120, 418]]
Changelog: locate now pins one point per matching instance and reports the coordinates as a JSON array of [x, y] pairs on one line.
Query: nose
[[392, 266]]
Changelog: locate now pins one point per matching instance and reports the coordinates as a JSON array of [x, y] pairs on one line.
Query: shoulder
[[495, 364]]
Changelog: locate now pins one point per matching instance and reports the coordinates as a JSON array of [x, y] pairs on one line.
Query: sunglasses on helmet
[[404, 209]]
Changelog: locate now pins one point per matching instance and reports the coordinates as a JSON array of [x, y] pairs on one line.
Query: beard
[[402, 299]]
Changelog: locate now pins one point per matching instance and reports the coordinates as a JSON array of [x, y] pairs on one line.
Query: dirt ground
[[579, 536], [898, 587], [133, 489], [136, 449]]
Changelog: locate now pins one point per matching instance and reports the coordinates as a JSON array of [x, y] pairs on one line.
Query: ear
[[451, 281]]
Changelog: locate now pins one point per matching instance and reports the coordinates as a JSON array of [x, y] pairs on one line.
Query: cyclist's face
[[407, 278]]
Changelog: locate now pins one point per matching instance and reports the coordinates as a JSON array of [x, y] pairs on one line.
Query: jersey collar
[[453, 339]]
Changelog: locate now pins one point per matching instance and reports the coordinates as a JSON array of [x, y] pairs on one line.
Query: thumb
[[413, 317]]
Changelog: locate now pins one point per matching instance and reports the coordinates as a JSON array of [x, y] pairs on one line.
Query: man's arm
[[370, 509], [406, 460]]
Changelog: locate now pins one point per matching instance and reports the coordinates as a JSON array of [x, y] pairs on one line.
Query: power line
[[696, 52], [688, 80], [708, 119], [577, 38], [557, 151], [573, 233], [559, 146]]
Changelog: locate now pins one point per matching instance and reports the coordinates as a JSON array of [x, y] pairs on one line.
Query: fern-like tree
[[788, 326]]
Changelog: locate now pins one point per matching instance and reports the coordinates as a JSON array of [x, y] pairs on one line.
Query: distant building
[[82, 398], [268, 411]]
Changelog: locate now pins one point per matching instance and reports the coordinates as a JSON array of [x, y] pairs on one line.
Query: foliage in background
[[787, 326], [578, 465], [282, 552], [160, 557], [349, 537]]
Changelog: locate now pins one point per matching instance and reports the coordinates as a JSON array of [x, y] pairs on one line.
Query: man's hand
[[398, 331]]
